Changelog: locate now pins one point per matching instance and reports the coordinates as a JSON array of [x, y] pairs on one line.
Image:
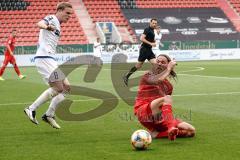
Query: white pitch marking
[[193, 70], [95, 99]]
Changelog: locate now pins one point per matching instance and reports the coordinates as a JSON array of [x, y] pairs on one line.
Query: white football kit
[[97, 49], [47, 43], [158, 37]]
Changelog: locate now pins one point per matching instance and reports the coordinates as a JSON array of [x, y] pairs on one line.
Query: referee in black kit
[[148, 41]]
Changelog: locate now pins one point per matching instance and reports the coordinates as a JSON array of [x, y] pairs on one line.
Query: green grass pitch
[[206, 94]]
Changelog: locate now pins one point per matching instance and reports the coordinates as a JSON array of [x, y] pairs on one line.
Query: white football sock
[[54, 104], [44, 97]]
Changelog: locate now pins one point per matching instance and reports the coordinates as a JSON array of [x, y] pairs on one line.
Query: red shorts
[[9, 59], [145, 117]]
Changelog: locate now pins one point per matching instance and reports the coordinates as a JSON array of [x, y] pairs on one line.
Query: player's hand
[[153, 44], [66, 85], [172, 64], [50, 28]]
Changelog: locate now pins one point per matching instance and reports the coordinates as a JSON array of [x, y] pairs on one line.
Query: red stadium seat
[[25, 22], [175, 3]]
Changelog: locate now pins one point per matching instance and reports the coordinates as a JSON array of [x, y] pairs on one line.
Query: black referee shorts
[[146, 53]]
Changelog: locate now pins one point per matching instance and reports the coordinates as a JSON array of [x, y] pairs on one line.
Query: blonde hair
[[61, 6]]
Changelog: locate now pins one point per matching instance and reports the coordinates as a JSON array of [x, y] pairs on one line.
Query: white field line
[[95, 99], [180, 95], [193, 70], [217, 77]]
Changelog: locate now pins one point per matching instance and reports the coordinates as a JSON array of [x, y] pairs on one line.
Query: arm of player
[[9, 49], [143, 39], [42, 25], [96, 45], [156, 79]]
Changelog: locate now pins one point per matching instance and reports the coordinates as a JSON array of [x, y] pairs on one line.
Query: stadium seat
[[175, 4], [24, 14]]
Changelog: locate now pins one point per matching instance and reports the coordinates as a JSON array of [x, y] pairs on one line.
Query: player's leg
[[4, 65], [144, 115], [163, 106], [45, 67], [13, 62], [131, 71], [151, 57], [49, 116], [55, 102], [44, 97], [186, 130], [142, 57]]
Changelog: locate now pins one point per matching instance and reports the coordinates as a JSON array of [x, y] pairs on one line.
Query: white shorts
[[97, 55], [156, 52], [49, 70]]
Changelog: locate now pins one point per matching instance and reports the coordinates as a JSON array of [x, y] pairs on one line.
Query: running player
[[158, 37], [148, 41], [9, 57], [47, 66], [97, 52]]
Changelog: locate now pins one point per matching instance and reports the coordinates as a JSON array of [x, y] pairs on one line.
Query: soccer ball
[[141, 139]]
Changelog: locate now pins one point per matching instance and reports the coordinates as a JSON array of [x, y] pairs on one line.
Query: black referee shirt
[[149, 32]]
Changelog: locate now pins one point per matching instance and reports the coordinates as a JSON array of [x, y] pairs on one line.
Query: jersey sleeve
[[146, 31], [48, 19]]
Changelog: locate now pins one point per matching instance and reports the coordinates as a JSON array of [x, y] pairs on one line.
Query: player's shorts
[[145, 117], [96, 60], [49, 69], [156, 51], [145, 53], [9, 59], [97, 54]]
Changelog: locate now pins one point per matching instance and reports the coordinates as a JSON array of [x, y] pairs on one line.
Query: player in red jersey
[[9, 57], [153, 105]]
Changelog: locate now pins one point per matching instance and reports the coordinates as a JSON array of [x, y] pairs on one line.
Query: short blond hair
[[61, 6]]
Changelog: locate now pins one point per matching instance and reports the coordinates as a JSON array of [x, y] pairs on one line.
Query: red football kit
[[146, 94], [8, 57]]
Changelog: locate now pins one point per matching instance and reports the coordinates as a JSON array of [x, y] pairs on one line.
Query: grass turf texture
[[207, 98]]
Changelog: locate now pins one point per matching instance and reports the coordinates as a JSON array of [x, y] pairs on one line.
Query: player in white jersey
[[47, 66], [97, 48], [158, 37], [97, 52]]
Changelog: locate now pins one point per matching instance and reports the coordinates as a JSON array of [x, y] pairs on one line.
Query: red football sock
[[167, 115]]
